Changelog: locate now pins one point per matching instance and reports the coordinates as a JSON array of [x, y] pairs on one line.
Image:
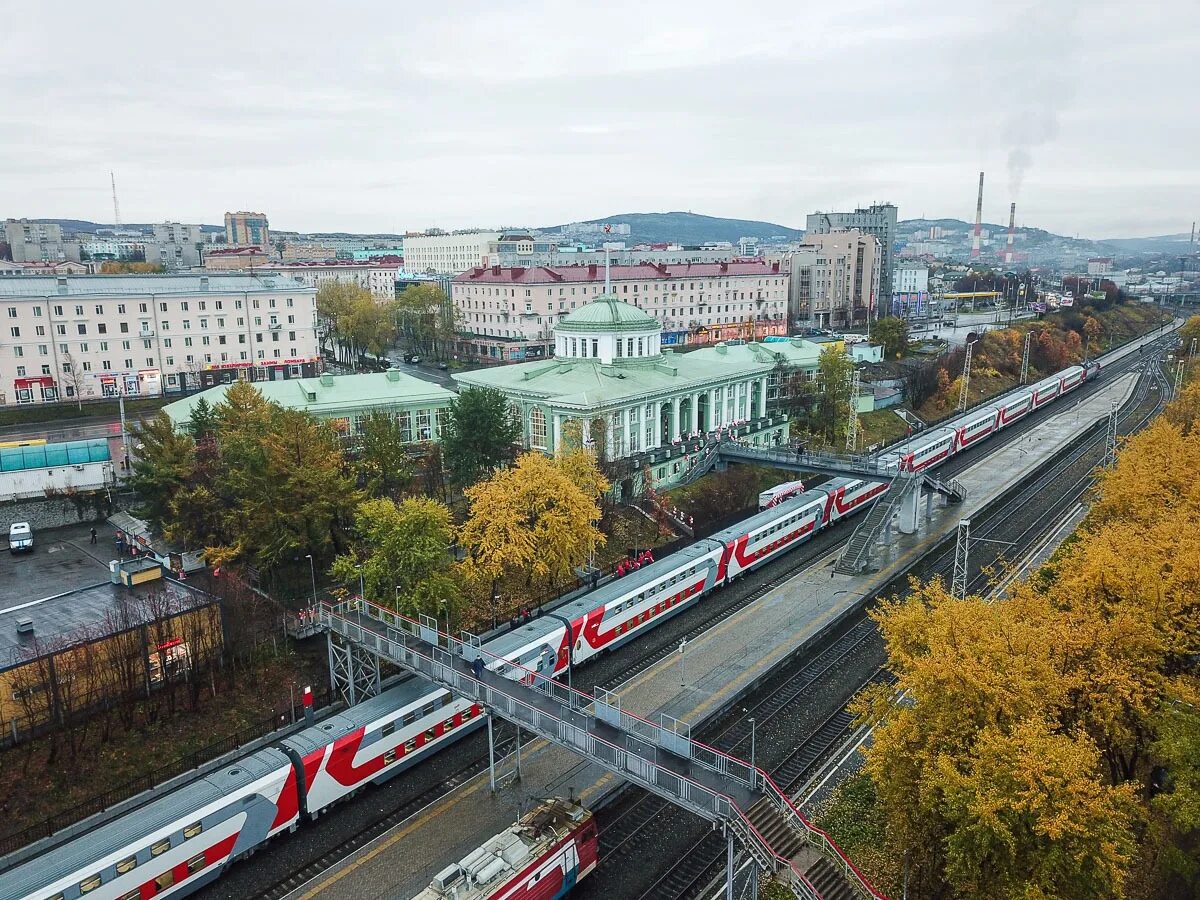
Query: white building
[[448, 254], [378, 276], [38, 242], [176, 246], [518, 307], [93, 336]]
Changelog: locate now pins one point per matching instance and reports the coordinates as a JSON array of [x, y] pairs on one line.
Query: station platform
[[712, 672]]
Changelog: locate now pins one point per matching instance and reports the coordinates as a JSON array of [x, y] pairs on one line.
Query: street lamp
[[312, 568], [362, 591], [752, 736], [682, 670]]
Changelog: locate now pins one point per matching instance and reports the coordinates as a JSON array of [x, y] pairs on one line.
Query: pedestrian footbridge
[[660, 756]]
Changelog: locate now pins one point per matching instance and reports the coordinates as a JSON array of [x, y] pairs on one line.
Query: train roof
[[180, 807], [618, 587], [408, 692], [780, 509]]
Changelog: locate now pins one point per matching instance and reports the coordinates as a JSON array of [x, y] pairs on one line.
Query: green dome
[[608, 314]]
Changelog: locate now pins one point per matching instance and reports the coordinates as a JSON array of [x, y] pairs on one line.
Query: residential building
[[597, 228], [635, 400], [94, 336], [294, 252], [878, 219], [112, 248], [177, 246], [834, 279], [510, 313], [418, 406], [243, 228], [448, 253], [366, 253], [64, 267], [910, 290], [1099, 265], [232, 259], [379, 276], [524, 250], [38, 242]]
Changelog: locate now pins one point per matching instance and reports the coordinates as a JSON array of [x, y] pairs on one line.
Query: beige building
[[834, 279], [447, 254], [38, 242], [177, 246], [247, 229], [377, 276], [233, 259], [93, 336]]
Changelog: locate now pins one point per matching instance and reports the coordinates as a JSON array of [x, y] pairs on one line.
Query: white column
[[695, 412], [557, 433], [656, 433], [762, 387], [625, 431], [715, 407], [674, 418]]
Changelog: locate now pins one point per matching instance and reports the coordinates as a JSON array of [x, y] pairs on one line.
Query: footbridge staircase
[[659, 756]]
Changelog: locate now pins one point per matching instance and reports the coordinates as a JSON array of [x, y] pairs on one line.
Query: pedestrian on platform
[[93, 535], [477, 667]]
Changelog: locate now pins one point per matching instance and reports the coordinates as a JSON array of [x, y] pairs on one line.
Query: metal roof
[[607, 313], [44, 456], [144, 285]]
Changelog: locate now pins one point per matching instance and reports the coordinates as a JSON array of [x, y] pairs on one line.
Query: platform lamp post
[[312, 568], [752, 736]]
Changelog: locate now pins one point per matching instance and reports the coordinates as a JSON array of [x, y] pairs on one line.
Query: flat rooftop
[[16, 286]]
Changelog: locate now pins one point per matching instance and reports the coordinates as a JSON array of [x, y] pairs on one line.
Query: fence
[[98, 803]]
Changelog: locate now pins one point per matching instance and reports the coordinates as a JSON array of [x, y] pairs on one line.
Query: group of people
[[632, 563]]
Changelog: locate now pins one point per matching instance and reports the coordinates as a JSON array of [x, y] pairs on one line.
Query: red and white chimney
[[1009, 253]]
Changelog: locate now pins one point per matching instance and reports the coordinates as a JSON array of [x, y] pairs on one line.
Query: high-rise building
[[448, 254], [38, 242], [247, 229], [834, 279], [878, 219], [176, 246]]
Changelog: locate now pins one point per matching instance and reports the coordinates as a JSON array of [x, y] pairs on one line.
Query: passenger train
[[177, 843]]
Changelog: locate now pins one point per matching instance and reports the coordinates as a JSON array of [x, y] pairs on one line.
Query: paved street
[[62, 560]]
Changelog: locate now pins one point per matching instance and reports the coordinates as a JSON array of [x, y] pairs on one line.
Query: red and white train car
[[550, 850]]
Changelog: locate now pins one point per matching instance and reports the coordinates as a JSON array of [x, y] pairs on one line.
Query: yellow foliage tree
[[534, 522]]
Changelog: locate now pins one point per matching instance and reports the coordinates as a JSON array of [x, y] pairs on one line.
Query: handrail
[[619, 758]]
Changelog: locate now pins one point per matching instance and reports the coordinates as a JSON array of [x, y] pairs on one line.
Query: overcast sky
[[365, 116]]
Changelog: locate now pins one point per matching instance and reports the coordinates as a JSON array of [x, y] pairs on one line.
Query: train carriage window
[[192, 830], [448, 724], [135, 894], [195, 864], [389, 757], [409, 718], [89, 884], [430, 734], [446, 698], [165, 880], [387, 729], [468, 713], [126, 865], [58, 897], [160, 847], [428, 709], [410, 745]]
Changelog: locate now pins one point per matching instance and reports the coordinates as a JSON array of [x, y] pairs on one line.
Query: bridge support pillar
[[910, 512], [728, 863], [928, 505], [353, 671]]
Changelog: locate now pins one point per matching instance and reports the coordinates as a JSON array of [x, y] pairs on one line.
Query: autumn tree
[[480, 434], [832, 409], [1178, 751], [202, 421], [1189, 332], [892, 334], [381, 456], [428, 320], [535, 521], [403, 553], [162, 467], [354, 320]]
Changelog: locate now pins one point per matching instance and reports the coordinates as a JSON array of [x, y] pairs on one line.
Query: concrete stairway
[[857, 556]]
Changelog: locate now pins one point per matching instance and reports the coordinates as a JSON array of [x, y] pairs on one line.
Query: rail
[[659, 756]]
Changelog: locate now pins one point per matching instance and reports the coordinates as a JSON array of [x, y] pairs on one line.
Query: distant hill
[[688, 228], [83, 225]]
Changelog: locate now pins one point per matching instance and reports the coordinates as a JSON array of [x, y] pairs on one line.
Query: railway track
[[1065, 481], [607, 673]]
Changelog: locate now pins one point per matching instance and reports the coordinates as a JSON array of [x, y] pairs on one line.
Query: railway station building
[[612, 382]]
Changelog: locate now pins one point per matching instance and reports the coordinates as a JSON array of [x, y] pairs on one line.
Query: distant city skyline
[[413, 118]]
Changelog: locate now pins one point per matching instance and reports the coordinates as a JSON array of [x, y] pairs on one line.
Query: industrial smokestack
[[1012, 230], [977, 240]]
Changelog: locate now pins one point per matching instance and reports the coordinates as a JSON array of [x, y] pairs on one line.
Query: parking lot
[[62, 560]]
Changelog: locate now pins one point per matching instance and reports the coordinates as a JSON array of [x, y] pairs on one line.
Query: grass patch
[[882, 426]]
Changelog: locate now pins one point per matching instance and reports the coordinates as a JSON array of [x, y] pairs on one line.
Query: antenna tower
[[966, 379], [852, 420], [116, 208], [1110, 437], [961, 558], [1025, 358], [1178, 380]]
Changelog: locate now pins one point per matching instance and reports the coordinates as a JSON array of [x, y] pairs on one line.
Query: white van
[[20, 538]]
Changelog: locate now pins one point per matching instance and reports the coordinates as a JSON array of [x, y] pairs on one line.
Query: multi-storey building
[[526, 250], [229, 259], [910, 290], [379, 276], [448, 253], [242, 228], [834, 279], [93, 336], [38, 242], [177, 246], [878, 219], [510, 313]]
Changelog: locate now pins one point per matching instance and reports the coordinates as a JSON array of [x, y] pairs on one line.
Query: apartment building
[[878, 219], [247, 228], [177, 246], [379, 276], [510, 313], [38, 242], [834, 279], [91, 336], [448, 254]]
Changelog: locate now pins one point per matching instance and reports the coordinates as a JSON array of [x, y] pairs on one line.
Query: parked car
[[20, 538], [443, 366]]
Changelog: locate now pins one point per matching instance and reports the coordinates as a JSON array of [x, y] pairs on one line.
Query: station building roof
[[146, 285]]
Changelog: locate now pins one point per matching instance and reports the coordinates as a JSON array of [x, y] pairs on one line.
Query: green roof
[[607, 313], [587, 384], [329, 395]]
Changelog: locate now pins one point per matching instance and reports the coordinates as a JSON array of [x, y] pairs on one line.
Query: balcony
[[276, 326], [146, 333]]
